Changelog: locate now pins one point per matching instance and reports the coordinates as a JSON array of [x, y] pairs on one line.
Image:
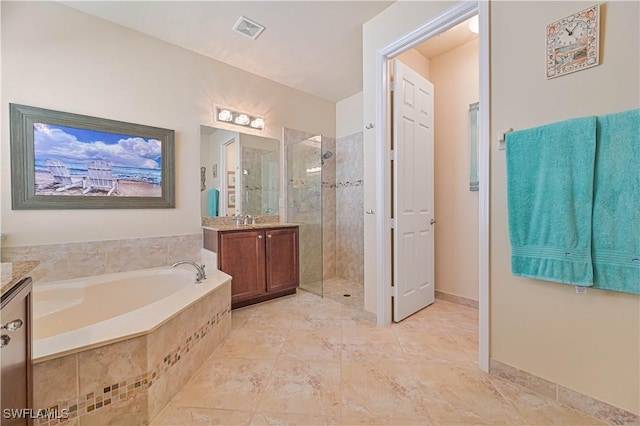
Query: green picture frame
[[91, 162]]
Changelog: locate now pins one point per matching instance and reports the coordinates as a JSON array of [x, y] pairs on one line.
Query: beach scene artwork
[[83, 162]]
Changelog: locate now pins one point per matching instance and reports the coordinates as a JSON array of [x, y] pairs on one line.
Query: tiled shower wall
[[309, 233], [349, 196], [329, 212], [73, 260]]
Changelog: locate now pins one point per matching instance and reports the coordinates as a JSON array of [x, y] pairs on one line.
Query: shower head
[[325, 156]]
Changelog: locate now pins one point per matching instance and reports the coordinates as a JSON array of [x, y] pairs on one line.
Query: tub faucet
[[200, 275]]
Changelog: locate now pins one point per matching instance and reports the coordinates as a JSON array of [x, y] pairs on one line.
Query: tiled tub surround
[[82, 259], [130, 381]]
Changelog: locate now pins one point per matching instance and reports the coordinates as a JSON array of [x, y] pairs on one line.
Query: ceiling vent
[[248, 27]]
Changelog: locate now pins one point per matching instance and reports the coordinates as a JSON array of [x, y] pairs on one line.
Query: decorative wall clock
[[573, 42]]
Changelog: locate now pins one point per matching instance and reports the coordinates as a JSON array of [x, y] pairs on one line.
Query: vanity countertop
[[249, 227], [12, 272]]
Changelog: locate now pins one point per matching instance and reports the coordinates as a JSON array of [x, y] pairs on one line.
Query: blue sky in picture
[[73, 145]]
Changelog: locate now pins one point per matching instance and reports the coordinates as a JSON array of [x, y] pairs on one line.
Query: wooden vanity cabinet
[[15, 356], [263, 263]]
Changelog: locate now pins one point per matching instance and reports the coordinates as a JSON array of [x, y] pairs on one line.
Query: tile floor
[[306, 360]]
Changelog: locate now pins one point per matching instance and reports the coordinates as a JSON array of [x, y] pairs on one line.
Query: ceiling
[[312, 46], [448, 40]]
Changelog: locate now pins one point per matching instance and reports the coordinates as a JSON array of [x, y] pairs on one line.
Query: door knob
[[4, 340], [432, 221], [12, 325]]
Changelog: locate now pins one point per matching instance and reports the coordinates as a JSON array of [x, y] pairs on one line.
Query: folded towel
[[213, 202], [550, 173], [616, 203]]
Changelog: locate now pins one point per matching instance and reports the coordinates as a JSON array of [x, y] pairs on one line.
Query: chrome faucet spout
[[200, 274]]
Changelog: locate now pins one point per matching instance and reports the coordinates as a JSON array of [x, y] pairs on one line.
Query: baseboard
[[599, 409], [457, 299]]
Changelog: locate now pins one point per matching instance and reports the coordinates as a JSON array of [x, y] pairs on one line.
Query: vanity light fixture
[[257, 123], [240, 118]]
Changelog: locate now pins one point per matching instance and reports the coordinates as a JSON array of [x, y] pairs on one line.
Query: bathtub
[[115, 348], [80, 313]]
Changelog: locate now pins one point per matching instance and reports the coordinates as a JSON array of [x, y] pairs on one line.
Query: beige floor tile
[[537, 409], [313, 344], [192, 416], [388, 389], [255, 344], [461, 394], [432, 345], [286, 419], [298, 386], [239, 317], [305, 360], [371, 420], [226, 383]]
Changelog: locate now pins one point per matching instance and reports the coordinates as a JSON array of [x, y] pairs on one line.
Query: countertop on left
[[12, 272]]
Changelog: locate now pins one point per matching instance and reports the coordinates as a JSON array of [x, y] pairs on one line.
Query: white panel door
[[413, 192]]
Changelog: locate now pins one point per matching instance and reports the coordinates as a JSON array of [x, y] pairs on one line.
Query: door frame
[[456, 14], [223, 172]]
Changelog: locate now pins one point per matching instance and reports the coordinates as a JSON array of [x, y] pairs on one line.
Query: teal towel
[[616, 203], [213, 202], [550, 173]]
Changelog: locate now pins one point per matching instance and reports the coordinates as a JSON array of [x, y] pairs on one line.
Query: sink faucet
[[247, 220], [200, 275]]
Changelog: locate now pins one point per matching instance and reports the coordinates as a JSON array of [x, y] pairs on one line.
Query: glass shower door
[[304, 206]]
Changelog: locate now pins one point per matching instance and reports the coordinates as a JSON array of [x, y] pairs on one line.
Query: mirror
[[240, 173]]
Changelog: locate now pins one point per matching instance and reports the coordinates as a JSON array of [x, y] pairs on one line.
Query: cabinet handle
[[260, 237], [13, 325], [269, 236], [4, 340]]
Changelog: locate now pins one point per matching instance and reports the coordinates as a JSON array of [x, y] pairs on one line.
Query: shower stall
[[306, 161]]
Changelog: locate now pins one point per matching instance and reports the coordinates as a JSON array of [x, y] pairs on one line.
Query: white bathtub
[[82, 313]]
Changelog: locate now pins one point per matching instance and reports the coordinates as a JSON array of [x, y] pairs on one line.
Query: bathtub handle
[[12, 325], [4, 340]]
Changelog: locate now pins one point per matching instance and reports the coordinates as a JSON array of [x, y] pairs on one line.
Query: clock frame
[[573, 42]]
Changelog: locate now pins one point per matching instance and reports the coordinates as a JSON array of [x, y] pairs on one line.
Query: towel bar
[[502, 139]]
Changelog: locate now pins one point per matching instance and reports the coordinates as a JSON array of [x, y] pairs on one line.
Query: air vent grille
[[249, 28]]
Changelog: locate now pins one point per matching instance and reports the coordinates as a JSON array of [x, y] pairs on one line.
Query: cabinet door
[[242, 257], [282, 259], [16, 356]]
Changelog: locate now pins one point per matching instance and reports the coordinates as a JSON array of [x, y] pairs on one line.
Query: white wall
[[589, 342], [456, 81], [349, 116], [59, 58]]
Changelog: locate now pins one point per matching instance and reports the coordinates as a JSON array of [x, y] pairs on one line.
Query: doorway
[[451, 17]]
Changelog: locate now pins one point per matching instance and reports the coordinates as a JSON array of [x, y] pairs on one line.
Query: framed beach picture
[[61, 160], [231, 179]]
